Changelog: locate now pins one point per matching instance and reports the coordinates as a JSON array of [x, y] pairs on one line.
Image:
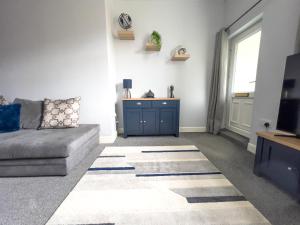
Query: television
[[289, 110]]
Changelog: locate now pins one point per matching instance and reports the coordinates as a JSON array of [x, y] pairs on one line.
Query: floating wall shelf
[[126, 35], [178, 57], [152, 47]]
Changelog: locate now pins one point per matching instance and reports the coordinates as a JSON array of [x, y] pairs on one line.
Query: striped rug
[[155, 185]]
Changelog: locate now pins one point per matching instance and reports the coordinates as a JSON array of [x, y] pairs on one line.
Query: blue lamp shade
[[127, 83]]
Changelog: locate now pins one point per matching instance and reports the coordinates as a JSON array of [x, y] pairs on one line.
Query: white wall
[[235, 8], [279, 39], [57, 49], [191, 23], [279, 35]]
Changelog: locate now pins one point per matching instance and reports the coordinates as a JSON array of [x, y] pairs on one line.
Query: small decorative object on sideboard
[[172, 91], [127, 84], [154, 43], [149, 94], [125, 22]]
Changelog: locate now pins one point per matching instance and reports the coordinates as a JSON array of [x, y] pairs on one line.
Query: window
[[245, 60]]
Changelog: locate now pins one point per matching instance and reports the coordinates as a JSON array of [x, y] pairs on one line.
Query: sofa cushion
[[49, 143], [48, 166], [31, 113], [9, 118], [61, 113]]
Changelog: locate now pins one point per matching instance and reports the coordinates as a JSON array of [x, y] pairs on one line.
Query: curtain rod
[[245, 13]]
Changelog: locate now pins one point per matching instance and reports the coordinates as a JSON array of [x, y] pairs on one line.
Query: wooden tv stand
[[278, 159]]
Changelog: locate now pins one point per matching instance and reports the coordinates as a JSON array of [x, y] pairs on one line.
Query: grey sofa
[[45, 152]]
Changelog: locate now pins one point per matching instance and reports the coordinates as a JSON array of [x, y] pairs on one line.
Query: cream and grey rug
[[155, 185]]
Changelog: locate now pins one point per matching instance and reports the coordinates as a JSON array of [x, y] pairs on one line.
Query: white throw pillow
[[61, 113]]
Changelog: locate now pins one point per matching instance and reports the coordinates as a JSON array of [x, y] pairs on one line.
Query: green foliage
[[156, 38]]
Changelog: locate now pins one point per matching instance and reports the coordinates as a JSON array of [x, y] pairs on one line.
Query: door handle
[[145, 121], [139, 103], [164, 103], [161, 121], [141, 121]]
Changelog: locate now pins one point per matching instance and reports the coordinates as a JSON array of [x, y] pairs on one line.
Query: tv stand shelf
[[291, 141], [278, 159]]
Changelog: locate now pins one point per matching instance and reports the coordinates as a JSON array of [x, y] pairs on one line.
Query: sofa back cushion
[[9, 117], [31, 113], [61, 113]]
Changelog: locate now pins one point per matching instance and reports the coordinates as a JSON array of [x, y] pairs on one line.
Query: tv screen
[[289, 111]]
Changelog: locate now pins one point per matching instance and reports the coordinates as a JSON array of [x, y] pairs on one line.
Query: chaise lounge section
[[48, 152]]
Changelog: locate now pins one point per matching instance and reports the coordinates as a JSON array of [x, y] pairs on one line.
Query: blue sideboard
[[154, 116]]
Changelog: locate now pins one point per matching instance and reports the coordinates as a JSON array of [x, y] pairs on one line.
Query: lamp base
[[127, 93]]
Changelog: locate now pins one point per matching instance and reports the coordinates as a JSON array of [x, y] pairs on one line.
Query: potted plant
[[156, 39]]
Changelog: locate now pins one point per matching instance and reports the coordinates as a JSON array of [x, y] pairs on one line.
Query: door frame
[[249, 31]]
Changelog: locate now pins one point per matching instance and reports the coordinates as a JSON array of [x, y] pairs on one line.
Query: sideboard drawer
[[137, 104], [163, 104]]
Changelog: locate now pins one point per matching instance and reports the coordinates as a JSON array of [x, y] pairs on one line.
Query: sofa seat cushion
[[53, 143]]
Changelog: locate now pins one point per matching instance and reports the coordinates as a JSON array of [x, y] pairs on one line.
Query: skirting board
[[181, 129], [251, 148]]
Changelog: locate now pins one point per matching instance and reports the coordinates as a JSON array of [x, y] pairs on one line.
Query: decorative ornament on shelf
[[125, 23], [180, 54], [154, 43], [127, 85], [149, 94], [172, 91], [181, 51]]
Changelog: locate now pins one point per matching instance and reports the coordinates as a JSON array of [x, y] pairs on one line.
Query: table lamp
[[127, 84]]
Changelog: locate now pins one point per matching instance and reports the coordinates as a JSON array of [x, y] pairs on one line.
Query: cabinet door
[[133, 121], [151, 121], [167, 121], [281, 165]]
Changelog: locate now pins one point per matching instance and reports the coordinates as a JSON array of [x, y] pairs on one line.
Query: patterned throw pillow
[[3, 101], [61, 113]]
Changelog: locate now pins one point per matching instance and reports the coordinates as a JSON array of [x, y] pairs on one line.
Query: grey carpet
[[234, 137], [32, 201]]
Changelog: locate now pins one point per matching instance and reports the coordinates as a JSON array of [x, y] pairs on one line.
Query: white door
[[244, 52]]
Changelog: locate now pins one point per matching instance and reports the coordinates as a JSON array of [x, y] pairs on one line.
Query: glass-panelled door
[[244, 53]]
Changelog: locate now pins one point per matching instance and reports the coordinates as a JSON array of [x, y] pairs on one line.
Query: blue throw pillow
[[10, 117]]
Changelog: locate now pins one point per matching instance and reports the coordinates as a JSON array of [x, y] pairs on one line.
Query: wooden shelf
[[241, 94], [178, 57], [152, 47], [126, 35], [150, 99]]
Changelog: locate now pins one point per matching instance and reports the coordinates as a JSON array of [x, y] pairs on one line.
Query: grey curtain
[[217, 98]]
